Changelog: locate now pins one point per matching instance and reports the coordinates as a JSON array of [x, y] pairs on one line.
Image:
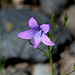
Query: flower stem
[[52, 31], [50, 59], [60, 33], [70, 72], [38, 48]]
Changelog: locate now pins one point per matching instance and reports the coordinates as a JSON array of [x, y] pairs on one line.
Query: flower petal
[[27, 34], [32, 23], [46, 40], [37, 39], [45, 27]]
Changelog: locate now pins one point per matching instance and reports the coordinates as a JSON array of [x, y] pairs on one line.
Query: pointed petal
[[37, 39], [45, 27], [26, 34], [32, 23], [46, 40]]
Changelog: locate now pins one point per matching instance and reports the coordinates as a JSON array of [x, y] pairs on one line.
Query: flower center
[[40, 31]]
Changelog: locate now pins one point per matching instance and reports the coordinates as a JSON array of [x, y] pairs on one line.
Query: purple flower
[[37, 33]]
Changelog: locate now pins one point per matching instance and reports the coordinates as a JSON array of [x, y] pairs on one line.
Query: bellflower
[[37, 33]]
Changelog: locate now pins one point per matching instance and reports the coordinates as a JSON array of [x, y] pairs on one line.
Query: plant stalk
[[50, 59]]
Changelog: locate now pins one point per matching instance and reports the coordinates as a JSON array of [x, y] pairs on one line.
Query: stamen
[[40, 31]]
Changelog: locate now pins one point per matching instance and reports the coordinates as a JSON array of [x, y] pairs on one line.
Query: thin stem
[[52, 31], [70, 72], [60, 33], [38, 48], [50, 59], [42, 51], [52, 27], [52, 20]]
